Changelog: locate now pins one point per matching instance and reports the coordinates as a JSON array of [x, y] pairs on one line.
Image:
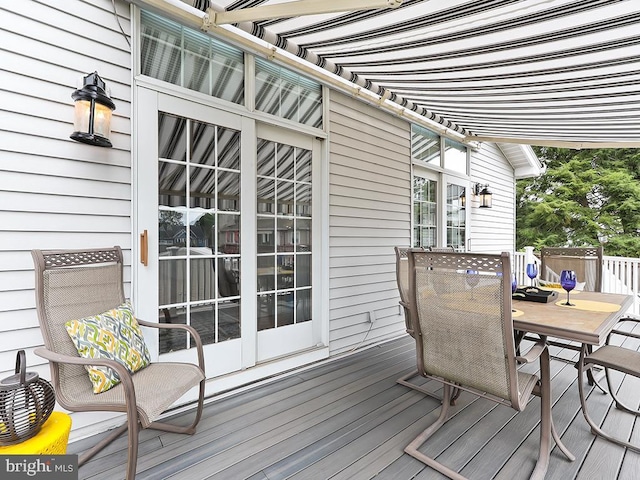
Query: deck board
[[349, 420]]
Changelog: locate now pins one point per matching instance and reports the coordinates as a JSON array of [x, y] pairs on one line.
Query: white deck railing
[[619, 275]]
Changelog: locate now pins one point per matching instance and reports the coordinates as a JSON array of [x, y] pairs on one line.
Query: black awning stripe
[[631, 41], [489, 91]]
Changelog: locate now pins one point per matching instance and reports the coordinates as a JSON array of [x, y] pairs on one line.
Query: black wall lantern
[[92, 117], [486, 197]]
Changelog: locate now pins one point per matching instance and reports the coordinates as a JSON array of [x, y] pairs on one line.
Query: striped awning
[[538, 72]]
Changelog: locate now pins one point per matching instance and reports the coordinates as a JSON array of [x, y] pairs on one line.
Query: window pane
[[190, 58], [455, 156], [172, 137], [425, 145], [284, 93]]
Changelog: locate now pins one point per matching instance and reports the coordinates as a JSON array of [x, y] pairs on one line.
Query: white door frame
[[148, 102]]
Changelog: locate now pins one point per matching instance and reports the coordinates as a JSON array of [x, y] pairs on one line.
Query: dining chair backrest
[[585, 261], [402, 273], [463, 328]]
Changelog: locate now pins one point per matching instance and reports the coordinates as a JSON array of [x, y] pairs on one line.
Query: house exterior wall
[[369, 214], [54, 192], [493, 229], [57, 193]]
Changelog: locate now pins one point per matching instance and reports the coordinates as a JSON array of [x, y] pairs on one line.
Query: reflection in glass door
[[284, 220], [198, 230]]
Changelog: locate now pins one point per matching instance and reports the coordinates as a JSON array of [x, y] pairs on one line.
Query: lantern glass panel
[[81, 116], [102, 121]]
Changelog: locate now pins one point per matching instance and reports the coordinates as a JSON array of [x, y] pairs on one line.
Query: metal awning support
[[293, 9]]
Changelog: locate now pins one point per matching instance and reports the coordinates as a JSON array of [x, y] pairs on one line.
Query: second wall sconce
[[486, 197]]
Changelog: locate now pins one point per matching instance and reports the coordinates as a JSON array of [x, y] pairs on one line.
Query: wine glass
[[532, 272], [472, 279], [514, 287], [568, 282]]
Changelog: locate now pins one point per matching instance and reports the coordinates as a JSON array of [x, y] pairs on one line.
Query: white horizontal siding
[[369, 214], [54, 192], [493, 229]]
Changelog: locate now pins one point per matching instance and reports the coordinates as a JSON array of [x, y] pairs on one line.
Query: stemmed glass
[[472, 279], [568, 282], [514, 287], [532, 272]]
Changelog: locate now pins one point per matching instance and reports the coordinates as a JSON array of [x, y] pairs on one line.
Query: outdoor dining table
[[588, 322]]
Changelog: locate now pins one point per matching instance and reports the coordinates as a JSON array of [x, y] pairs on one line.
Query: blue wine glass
[[514, 287], [532, 272], [568, 282]]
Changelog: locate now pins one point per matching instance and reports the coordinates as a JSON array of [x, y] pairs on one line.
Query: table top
[[571, 323]]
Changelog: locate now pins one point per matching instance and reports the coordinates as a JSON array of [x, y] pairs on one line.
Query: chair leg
[[85, 456], [619, 404], [412, 448], [404, 380], [132, 459], [583, 404]]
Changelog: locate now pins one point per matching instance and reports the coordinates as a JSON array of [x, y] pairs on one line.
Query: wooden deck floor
[[348, 419]]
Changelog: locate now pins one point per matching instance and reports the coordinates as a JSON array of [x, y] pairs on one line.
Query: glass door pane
[[456, 217], [198, 230], [284, 256], [425, 212]]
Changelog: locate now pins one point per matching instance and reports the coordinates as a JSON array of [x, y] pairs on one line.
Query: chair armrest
[[533, 353], [194, 334], [616, 331], [55, 357], [121, 370]]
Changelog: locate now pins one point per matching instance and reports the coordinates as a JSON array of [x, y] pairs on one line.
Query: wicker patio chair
[[74, 284], [464, 338], [611, 357]]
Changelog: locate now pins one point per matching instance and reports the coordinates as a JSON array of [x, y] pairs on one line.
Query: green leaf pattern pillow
[[115, 335]]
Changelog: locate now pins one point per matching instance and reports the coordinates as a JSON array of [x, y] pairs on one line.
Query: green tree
[[583, 198]]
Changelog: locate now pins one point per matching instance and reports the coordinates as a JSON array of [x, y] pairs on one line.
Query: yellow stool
[[52, 438]]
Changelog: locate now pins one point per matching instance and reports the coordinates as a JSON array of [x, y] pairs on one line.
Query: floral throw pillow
[[115, 335]]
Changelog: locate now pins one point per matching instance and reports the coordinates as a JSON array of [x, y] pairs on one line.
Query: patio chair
[[402, 278], [585, 261], [611, 357], [75, 284], [464, 338]]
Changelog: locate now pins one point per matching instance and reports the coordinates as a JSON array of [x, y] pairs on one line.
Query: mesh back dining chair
[[464, 338], [585, 261], [74, 284], [402, 278], [612, 357]]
